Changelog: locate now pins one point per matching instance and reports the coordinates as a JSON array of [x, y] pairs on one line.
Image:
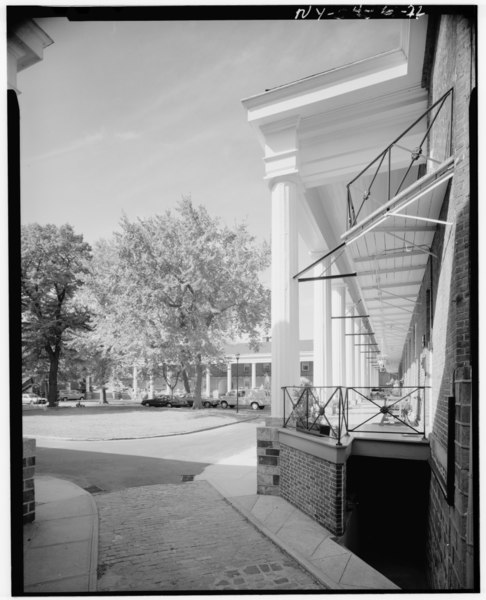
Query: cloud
[[127, 135], [88, 140]]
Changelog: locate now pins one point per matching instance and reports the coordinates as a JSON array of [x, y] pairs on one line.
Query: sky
[[127, 117]]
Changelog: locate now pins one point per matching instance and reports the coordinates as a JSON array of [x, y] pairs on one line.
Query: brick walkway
[[184, 538]]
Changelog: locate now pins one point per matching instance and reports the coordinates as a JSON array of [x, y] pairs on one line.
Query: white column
[[339, 338], [350, 354], [285, 292], [338, 344], [322, 329], [208, 382], [228, 377], [366, 371], [135, 383], [357, 353], [253, 376]]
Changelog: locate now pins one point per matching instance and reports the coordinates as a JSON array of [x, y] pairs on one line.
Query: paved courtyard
[[185, 538]]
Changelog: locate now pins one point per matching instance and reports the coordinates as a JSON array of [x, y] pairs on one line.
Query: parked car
[[30, 398], [169, 401], [71, 395], [180, 401], [209, 402], [157, 401], [229, 399], [255, 399]]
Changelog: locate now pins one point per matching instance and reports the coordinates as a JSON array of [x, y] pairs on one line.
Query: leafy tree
[[185, 284], [54, 264]]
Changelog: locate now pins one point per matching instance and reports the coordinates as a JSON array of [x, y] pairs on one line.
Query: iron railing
[[386, 409], [337, 411], [315, 410], [383, 162]]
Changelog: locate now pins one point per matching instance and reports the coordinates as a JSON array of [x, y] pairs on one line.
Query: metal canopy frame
[[415, 154]]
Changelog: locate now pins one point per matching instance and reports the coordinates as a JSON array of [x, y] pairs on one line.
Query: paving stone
[[251, 570], [182, 538]]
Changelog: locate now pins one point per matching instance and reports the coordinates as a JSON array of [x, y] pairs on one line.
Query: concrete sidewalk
[[61, 545]]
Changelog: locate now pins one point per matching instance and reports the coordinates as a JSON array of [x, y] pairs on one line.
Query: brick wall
[[438, 538], [268, 468], [453, 67], [28, 480], [315, 486]]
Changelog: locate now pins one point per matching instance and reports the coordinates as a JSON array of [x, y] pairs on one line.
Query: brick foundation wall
[[28, 480], [453, 67], [438, 538], [315, 486], [268, 455]]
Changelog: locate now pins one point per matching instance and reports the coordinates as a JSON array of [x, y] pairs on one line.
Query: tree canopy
[[173, 288], [54, 265]]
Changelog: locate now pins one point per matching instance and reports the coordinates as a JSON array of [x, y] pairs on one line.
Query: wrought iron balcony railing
[[338, 411], [315, 410], [439, 115]]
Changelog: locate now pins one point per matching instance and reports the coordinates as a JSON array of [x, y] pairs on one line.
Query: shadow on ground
[[99, 471]]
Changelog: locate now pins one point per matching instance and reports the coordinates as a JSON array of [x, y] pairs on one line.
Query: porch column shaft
[[338, 348], [208, 382], [320, 328], [228, 377], [285, 292], [342, 331], [351, 362], [135, 382], [253, 375], [358, 373], [366, 370], [329, 333]]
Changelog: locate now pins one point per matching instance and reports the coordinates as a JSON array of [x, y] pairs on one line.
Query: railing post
[[339, 415], [424, 437], [283, 390], [307, 409], [347, 410]]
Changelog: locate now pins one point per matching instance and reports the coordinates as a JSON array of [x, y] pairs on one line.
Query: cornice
[[328, 79], [350, 84]]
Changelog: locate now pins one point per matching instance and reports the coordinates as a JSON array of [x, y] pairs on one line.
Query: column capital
[[291, 176]]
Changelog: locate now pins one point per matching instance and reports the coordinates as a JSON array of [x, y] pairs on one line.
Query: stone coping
[[325, 448], [320, 446]]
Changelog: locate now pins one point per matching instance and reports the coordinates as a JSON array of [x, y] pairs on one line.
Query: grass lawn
[[120, 422]]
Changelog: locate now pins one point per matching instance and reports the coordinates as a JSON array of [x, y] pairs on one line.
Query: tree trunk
[[185, 379], [197, 391], [53, 370]]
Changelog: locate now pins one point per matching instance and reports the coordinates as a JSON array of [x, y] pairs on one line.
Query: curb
[[146, 437], [93, 563], [328, 584]]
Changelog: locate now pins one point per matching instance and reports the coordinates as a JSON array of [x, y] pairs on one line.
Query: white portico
[[318, 134]]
